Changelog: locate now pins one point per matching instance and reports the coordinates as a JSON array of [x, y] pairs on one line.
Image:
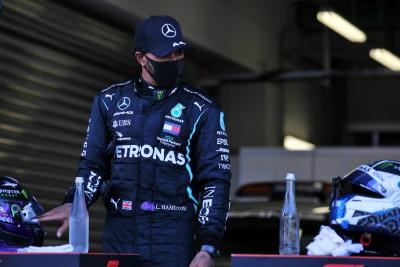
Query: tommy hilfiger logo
[[171, 128]]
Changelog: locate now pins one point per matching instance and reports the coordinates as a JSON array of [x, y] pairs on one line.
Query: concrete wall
[[372, 99], [253, 114], [307, 111]]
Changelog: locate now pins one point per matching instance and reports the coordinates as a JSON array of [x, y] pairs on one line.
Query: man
[[161, 149]]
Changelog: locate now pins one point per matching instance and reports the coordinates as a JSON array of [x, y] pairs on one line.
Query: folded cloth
[[328, 242], [62, 248]]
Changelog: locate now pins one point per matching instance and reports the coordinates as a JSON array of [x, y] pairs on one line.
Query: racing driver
[[157, 152]]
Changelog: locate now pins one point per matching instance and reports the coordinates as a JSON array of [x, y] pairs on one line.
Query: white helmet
[[365, 205]]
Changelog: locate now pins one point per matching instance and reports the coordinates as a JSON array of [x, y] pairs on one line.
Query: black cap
[[159, 35]]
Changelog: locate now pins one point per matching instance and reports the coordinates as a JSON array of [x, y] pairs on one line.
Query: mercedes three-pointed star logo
[[124, 103], [168, 30]]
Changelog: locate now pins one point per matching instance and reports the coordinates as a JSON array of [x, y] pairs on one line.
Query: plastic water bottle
[[79, 220], [289, 241]]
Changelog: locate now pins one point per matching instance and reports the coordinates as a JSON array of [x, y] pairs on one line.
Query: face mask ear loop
[[150, 70]]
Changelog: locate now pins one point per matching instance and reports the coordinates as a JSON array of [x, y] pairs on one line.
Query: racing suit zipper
[[145, 110]]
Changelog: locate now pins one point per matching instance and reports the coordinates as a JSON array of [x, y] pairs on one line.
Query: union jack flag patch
[[126, 205]]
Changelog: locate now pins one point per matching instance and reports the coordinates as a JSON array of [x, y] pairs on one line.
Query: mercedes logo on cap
[[124, 103], [168, 30]]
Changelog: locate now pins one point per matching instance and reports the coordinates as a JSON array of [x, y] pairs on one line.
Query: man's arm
[[213, 174]]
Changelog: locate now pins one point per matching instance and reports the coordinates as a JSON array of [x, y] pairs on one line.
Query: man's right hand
[[61, 213]]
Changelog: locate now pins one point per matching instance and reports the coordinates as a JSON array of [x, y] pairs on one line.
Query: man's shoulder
[[114, 93], [114, 88], [197, 96]]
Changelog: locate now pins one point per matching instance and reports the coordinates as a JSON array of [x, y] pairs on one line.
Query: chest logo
[[176, 111], [171, 128], [121, 123], [110, 96], [124, 103], [198, 105]]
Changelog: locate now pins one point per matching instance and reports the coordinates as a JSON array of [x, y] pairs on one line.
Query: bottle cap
[[79, 180], [290, 176]]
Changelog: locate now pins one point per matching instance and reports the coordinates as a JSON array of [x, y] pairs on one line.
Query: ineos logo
[[168, 30], [124, 103]]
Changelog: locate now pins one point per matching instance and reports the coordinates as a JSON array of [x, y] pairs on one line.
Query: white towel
[[328, 242], [62, 248]]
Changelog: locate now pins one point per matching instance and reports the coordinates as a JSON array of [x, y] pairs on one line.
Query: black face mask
[[166, 73]]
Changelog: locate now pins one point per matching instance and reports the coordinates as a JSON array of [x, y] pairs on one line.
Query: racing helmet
[[365, 206], [18, 212]]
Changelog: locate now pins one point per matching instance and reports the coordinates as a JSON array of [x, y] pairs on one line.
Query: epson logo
[[147, 151]]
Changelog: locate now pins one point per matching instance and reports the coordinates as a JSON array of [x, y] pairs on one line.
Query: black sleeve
[[213, 174]]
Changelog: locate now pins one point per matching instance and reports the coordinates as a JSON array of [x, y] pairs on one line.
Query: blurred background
[[298, 96]]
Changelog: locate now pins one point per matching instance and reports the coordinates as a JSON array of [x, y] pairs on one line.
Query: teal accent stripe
[[188, 168]]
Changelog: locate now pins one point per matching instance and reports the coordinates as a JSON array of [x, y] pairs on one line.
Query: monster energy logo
[[159, 94], [384, 165]]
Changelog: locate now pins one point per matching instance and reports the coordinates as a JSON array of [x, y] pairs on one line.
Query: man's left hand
[[202, 259]]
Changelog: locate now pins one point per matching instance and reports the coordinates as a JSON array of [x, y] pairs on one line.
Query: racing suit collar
[[144, 89]]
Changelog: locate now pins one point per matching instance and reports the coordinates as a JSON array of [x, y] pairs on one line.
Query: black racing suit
[[164, 158]]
